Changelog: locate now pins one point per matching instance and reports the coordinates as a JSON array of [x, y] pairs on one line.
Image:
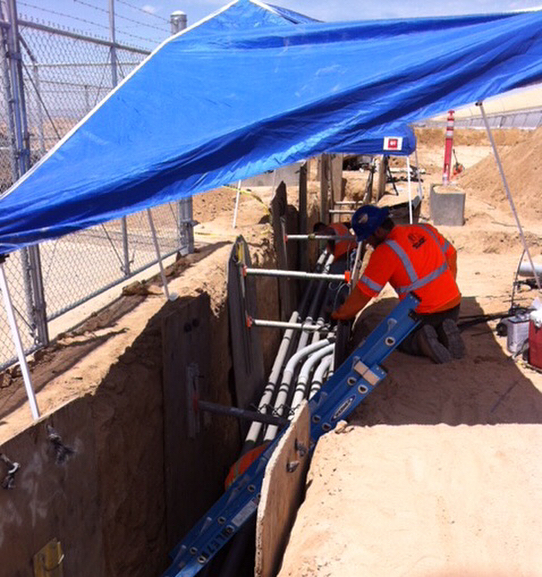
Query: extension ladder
[[340, 395]]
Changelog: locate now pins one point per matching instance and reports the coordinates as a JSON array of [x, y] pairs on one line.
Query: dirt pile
[[522, 170]]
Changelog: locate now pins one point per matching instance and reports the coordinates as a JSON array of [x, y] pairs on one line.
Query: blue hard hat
[[367, 219]]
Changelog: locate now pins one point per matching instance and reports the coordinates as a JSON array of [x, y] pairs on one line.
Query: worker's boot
[[450, 337], [429, 345]]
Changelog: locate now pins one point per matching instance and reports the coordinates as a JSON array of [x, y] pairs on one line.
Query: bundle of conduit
[[305, 360]]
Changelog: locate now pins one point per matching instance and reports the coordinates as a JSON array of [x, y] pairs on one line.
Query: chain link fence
[[65, 75]]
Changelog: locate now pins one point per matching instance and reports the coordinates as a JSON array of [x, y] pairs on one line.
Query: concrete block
[[447, 205]]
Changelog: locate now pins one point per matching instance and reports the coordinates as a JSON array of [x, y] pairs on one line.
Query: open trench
[[115, 476]]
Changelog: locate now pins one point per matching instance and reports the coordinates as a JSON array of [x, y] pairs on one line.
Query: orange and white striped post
[[448, 148]]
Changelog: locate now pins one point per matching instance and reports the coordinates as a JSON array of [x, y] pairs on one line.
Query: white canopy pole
[[420, 189], [236, 204], [508, 194], [157, 249], [18, 343], [409, 191]]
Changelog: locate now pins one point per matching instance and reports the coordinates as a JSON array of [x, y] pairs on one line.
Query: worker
[[412, 258], [342, 248]]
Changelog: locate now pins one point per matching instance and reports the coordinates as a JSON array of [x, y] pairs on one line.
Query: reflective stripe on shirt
[[415, 282]]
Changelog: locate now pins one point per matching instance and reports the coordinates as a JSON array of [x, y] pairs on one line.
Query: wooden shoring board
[[185, 344], [246, 345], [282, 493]]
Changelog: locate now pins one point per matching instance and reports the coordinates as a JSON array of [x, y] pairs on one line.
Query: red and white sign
[[393, 143]]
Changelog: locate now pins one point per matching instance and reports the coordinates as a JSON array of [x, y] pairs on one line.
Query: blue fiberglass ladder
[[340, 395]]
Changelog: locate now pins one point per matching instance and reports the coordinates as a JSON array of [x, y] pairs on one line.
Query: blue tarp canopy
[[202, 112]]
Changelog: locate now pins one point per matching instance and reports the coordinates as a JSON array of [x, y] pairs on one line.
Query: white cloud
[[150, 9]]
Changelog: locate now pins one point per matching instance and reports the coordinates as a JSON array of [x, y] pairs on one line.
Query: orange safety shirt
[[414, 258], [342, 247]]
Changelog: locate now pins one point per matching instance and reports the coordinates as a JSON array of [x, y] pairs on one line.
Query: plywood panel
[[282, 493]]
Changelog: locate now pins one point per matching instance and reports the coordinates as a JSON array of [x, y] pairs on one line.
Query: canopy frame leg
[[508, 194], [158, 255], [410, 217], [238, 193], [17, 342]]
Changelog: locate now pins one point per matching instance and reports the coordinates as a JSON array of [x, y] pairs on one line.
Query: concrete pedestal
[[447, 205]]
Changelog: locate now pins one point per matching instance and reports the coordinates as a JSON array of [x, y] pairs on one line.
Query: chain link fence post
[[178, 22], [32, 273]]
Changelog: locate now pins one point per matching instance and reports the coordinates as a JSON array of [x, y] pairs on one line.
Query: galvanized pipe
[[341, 211], [288, 237], [289, 325], [292, 274]]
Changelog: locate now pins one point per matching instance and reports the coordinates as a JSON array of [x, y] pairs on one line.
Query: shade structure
[[229, 104]]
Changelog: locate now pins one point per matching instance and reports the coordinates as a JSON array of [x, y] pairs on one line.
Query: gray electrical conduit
[[284, 389], [255, 428], [304, 374], [323, 370]]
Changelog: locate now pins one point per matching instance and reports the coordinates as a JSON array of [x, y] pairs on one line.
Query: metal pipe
[[409, 191], [158, 256], [289, 325], [284, 389], [209, 407], [341, 211], [525, 269], [236, 207], [303, 378], [320, 375], [317, 237], [342, 202], [508, 194], [292, 274]]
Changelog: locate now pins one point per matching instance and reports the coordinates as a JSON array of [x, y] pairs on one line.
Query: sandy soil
[[440, 472]]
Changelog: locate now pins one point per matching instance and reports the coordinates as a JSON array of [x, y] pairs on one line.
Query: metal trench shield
[[246, 346]]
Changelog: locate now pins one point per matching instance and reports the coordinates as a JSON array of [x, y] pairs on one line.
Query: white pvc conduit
[[320, 374], [304, 374], [255, 428], [284, 389]]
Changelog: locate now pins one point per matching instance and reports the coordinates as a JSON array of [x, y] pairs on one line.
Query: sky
[[145, 23]]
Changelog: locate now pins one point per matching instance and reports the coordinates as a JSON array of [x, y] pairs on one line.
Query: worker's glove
[[351, 307]]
